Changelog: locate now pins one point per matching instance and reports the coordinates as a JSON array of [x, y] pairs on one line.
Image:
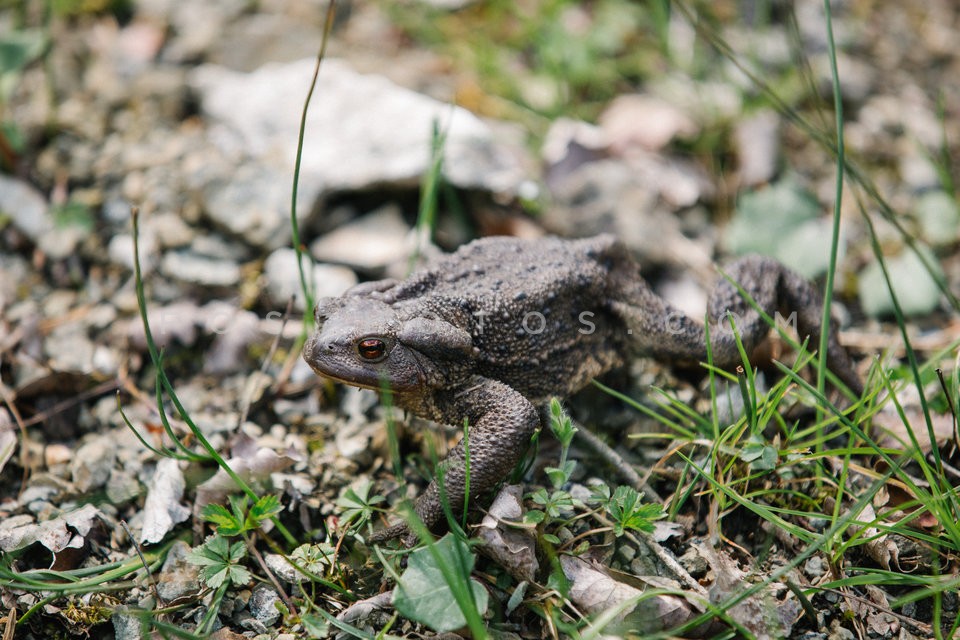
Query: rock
[[263, 605], [857, 78], [170, 230], [645, 121], [26, 207], [939, 217], [93, 462], [179, 577], [15, 273], [757, 141], [916, 290], [568, 145], [125, 625], [122, 487], [283, 278], [68, 348], [365, 131], [253, 203], [281, 568], [236, 330], [186, 266], [30, 213], [605, 196], [55, 454], [176, 321], [918, 171], [798, 236], [371, 242]]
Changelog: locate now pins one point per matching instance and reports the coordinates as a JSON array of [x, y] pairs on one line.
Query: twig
[[273, 579], [63, 405], [10, 399], [921, 627], [143, 561], [615, 460], [11, 624]]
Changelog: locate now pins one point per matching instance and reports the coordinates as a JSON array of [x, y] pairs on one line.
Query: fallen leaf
[[371, 610], [8, 438], [422, 593], [511, 547], [63, 532], [162, 509], [596, 592], [765, 615], [893, 433], [878, 546]]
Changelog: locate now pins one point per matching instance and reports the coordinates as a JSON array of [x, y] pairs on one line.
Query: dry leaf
[[67, 531], [512, 548], [594, 592], [763, 614], [879, 547], [8, 437], [162, 509]]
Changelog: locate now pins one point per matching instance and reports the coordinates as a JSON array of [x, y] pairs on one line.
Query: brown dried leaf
[[879, 547], [8, 438], [512, 548], [763, 614], [594, 592]]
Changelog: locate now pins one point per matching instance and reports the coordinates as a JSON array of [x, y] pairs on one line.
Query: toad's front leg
[[501, 422]]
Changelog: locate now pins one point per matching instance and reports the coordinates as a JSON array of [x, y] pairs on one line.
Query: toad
[[489, 333]]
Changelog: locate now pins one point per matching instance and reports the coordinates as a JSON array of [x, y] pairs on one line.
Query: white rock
[[362, 130], [757, 141], [93, 462], [647, 121], [26, 207], [283, 278], [202, 270], [371, 242]]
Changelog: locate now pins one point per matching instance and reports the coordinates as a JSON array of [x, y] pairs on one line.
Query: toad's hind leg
[[788, 297], [664, 332]]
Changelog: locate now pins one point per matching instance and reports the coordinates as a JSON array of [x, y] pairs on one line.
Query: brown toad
[[490, 332]]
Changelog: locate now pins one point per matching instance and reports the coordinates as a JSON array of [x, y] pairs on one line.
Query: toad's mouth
[[369, 377]]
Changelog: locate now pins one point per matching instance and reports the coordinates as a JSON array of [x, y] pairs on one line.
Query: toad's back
[[537, 312]]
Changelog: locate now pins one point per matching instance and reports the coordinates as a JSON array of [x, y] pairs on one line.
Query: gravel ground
[[189, 111]]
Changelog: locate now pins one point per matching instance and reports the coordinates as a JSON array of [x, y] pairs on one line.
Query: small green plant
[[219, 558], [220, 568], [239, 520], [558, 502], [220, 561], [358, 506], [624, 505], [314, 558], [628, 511], [18, 49], [562, 428]]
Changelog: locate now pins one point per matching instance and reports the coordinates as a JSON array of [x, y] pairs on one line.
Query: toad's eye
[[371, 349]]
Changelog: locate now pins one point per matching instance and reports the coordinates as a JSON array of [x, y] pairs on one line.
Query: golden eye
[[371, 348]]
